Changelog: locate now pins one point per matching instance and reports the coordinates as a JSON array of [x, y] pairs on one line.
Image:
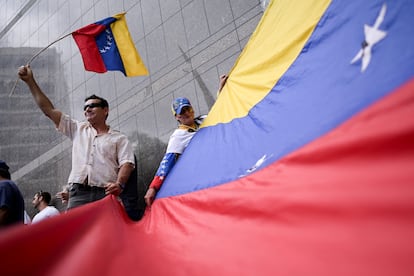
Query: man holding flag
[[102, 158]]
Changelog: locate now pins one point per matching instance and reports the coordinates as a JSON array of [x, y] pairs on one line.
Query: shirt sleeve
[[125, 151], [4, 196], [165, 167], [176, 146], [67, 126]]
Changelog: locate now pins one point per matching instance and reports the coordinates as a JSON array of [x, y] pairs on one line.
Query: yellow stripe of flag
[[130, 58], [272, 48]]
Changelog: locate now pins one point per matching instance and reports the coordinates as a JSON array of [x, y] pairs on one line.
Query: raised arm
[[26, 74], [222, 81]]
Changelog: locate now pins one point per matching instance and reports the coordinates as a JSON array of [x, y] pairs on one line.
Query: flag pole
[[35, 56]]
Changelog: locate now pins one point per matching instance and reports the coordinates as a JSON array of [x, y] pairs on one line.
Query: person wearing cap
[[102, 158], [41, 201], [11, 199], [179, 140]]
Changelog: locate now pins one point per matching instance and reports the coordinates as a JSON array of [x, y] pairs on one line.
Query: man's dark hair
[[46, 196], [4, 170], [104, 103], [5, 174]]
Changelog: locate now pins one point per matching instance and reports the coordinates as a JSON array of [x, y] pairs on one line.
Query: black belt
[[84, 187]]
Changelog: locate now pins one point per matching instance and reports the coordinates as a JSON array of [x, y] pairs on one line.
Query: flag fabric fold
[[107, 45]]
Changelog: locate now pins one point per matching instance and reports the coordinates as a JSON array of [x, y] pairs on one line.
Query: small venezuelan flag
[[107, 45]]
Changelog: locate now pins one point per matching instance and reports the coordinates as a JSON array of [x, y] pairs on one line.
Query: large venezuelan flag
[[303, 167], [107, 45]]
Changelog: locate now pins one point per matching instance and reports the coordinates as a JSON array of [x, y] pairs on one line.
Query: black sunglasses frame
[[92, 105]]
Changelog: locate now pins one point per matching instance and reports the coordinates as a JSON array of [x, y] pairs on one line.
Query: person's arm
[[26, 74], [63, 195], [124, 172], [223, 79], [165, 167]]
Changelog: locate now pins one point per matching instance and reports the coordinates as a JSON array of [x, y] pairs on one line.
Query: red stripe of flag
[[85, 39]]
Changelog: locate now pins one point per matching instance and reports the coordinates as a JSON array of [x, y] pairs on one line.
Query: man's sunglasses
[[92, 105]]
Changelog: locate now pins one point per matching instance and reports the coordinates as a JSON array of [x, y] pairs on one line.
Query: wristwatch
[[122, 185]]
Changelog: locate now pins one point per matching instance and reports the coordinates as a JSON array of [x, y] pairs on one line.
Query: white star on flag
[[372, 36]]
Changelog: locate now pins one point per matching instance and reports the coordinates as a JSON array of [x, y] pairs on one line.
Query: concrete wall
[[185, 44]]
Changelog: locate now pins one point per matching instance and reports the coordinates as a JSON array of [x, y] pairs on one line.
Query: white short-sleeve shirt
[[95, 158]]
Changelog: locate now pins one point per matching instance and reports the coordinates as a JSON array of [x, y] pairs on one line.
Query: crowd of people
[[103, 161]]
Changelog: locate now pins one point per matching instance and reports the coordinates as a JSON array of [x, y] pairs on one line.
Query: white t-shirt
[[27, 219], [48, 212], [180, 138]]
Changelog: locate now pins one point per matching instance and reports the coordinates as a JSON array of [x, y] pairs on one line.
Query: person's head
[[183, 111], [40, 197], [96, 109], [4, 170]]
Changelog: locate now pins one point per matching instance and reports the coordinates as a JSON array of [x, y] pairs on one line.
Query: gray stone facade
[[185, 44]]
